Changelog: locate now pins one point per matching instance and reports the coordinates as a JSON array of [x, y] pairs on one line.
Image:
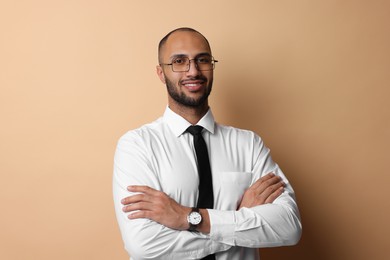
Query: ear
[[160, 73]]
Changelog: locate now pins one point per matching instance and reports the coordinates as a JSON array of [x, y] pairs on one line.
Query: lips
[[193, 85]]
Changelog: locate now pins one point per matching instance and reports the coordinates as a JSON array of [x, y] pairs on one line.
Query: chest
[[175, 165]]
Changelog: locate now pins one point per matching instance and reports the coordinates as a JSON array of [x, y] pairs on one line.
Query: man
[[158, 178]]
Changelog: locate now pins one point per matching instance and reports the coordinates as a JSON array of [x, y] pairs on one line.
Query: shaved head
[[164, 40]]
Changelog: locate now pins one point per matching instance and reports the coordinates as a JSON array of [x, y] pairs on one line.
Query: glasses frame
[[213, 61]]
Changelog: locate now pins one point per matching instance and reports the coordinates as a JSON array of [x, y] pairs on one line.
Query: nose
[[193, 68]]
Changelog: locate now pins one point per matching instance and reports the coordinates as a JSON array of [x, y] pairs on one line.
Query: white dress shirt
[[162, 155]]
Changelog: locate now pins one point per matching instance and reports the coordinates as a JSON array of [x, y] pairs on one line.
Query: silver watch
[[194, 218]]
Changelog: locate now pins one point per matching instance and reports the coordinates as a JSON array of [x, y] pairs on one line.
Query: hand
[[264, 190], [157, 206]]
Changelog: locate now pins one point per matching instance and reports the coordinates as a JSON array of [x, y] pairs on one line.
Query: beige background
[[311, 77]]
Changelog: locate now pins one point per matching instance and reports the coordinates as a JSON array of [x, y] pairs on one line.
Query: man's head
[[186, 88], [164, 40]]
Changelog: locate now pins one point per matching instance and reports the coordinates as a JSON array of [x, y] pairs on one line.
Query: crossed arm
[[152, 223], [157, 206]]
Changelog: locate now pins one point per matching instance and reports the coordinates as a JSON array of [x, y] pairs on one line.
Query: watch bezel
[[190, 219]]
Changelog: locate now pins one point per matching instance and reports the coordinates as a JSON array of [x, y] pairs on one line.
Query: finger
[[271, 198], [140, 214], [263, 179], [135, 198], [270, 190], [138, 206], [259, 189], [140, 188]]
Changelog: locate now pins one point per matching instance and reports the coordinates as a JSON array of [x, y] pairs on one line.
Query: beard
[[181, 98]]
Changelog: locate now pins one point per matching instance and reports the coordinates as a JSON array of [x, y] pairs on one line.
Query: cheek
[[210, 76], [173, 84], [174, 81]]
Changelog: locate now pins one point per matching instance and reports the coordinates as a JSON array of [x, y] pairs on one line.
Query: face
[[192, 88]]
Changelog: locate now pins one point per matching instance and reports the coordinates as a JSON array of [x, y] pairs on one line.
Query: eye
[[179, 61], [203, 59]]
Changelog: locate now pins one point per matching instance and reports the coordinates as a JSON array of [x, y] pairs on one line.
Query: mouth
[[193, 85]]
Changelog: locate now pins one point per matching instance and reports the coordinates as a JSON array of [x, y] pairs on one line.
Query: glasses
[[182, 64]]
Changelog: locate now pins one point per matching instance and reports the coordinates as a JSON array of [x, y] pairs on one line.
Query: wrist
[[186, 225], [194, 219], [204, 226]]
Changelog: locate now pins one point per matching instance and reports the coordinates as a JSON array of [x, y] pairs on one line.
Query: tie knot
[[195, 129]]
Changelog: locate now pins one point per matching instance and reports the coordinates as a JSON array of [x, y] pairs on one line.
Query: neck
[[191, 114]]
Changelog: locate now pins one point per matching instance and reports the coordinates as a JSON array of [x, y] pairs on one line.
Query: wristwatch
[[194, 218]]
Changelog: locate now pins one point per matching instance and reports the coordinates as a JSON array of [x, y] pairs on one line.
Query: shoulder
[[239, 138], [231, 132], [140, 136], [246, 142]]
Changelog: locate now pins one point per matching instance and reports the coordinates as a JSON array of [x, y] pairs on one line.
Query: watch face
[[194, 218]]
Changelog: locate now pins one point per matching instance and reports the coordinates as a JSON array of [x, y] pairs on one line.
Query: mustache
[[200, 77]]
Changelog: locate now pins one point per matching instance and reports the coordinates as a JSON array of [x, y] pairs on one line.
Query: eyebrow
[[185, 55]]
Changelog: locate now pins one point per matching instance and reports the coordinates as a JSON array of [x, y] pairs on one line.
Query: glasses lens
[[180, 64], [205, 63]]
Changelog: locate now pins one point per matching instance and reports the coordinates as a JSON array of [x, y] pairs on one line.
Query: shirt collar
[[179, 125]]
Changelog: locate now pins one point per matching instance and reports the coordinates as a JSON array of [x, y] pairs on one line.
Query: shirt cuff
[[222, 226]]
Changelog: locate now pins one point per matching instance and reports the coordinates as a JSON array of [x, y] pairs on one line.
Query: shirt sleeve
[[268, 225], [143, 238]]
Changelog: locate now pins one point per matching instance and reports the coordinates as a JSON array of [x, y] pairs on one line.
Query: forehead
[[185, 43]]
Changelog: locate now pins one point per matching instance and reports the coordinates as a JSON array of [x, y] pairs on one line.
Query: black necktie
[[206, 197]]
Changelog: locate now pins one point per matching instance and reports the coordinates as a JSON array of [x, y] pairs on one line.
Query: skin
[[190, 44], [193, 86]]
